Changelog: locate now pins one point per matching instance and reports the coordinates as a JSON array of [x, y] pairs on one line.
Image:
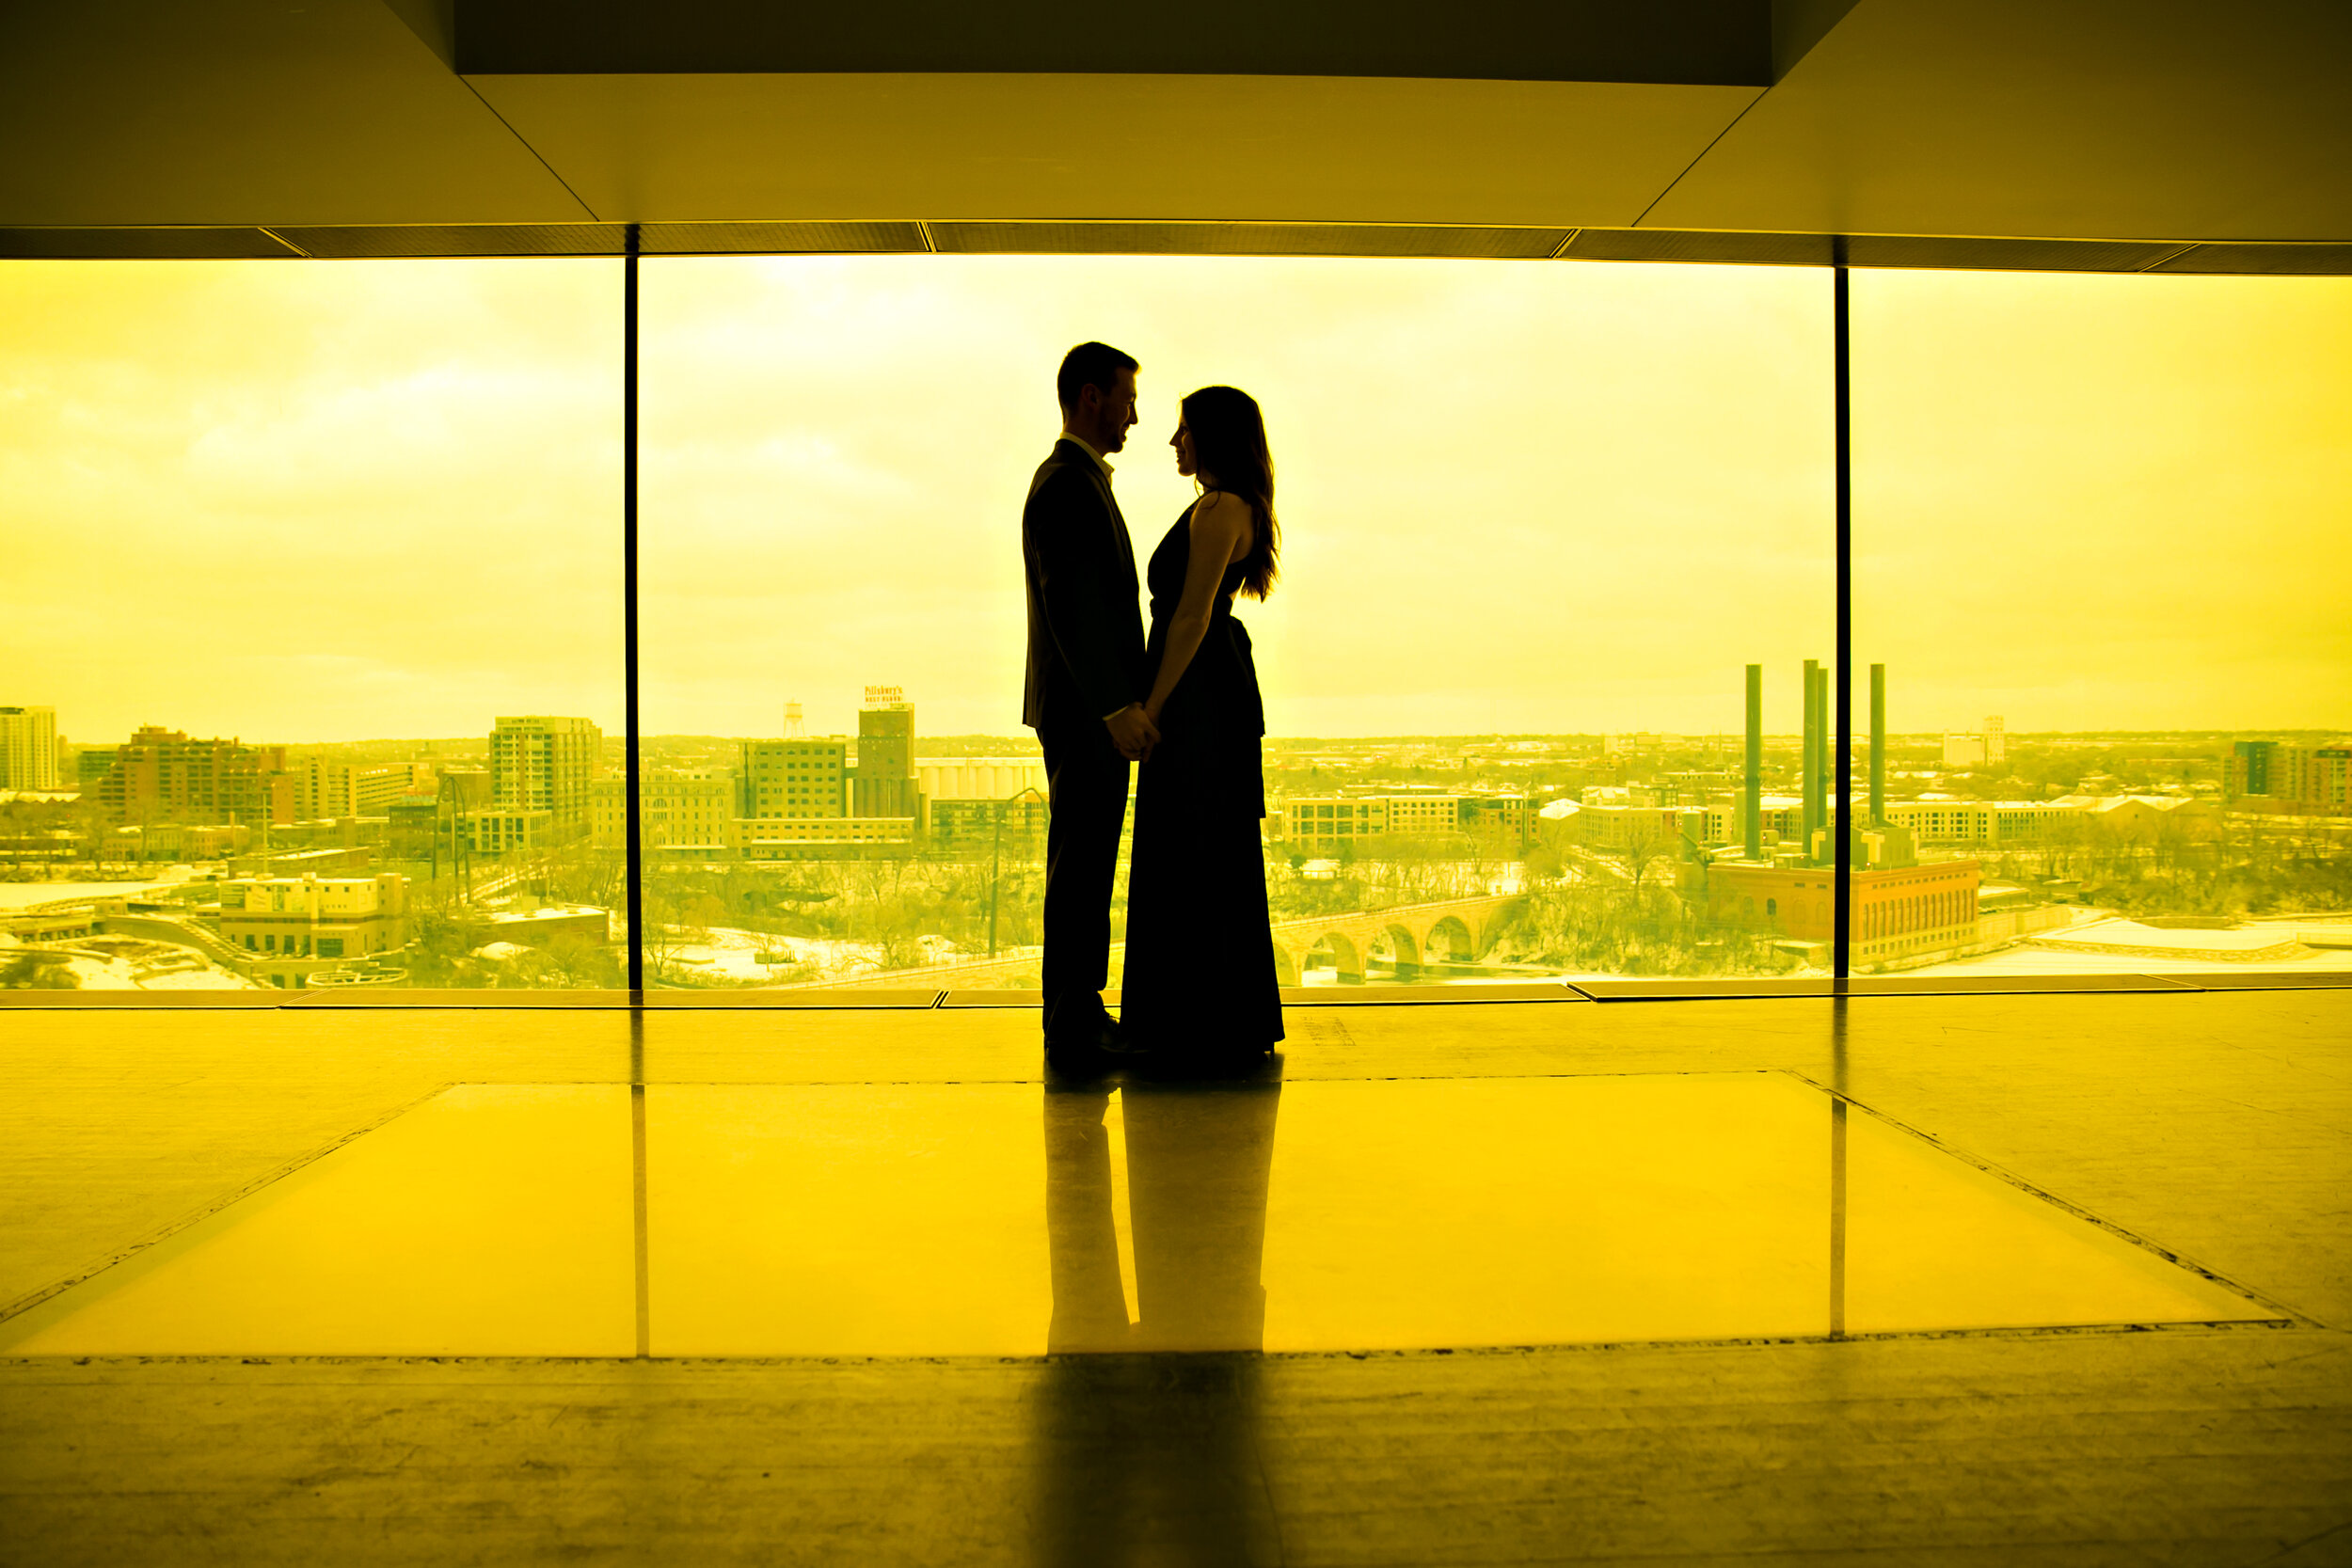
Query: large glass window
[[313, 614], [2100, 526], [1538, 518], [311, 623]]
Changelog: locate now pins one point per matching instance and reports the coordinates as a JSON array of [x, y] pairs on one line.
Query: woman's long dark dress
[[1200, 978]]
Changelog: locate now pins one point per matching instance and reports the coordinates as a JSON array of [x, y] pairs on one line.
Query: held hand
[[1133, 732]]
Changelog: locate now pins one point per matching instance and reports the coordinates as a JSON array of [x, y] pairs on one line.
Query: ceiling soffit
[[989, 237], [242, 112], [1295, 149], [2094, 119]]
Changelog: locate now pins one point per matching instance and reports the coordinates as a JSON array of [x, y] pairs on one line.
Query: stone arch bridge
[[1409, 935]]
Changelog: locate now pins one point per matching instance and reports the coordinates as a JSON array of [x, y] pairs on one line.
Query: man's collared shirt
[[1100, 461]]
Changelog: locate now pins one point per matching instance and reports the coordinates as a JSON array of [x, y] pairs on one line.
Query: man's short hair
[[1091, 365]]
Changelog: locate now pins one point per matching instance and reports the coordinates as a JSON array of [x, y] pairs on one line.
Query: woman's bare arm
[[1220, 536]]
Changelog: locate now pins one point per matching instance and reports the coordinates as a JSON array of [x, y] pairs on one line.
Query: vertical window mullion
[[1842, 836], [632, 772]]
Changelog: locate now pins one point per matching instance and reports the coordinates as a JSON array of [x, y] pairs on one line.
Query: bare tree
[[1648, 838]]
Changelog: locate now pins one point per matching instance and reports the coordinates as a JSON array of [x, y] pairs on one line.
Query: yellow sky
[[306, 502], [310, 501], [2086, 501], [1512, 493]]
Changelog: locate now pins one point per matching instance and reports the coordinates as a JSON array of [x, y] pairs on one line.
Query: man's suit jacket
[[1085, 635]]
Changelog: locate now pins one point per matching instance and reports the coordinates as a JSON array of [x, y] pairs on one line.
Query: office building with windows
[[803, 838], [500, 829], [330, 789], [792, 778], [1992, 823], [681, 810], [310, 916]]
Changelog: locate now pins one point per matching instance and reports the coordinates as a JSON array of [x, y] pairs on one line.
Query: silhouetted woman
[[1199, 984]]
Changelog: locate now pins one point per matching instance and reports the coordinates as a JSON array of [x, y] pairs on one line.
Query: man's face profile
[[1112, 412]]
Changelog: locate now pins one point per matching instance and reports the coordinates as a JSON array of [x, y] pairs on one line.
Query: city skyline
[[1675, 741], [355, 501], [816, 859]]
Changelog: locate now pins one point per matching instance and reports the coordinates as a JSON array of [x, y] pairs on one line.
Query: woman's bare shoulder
[[1222, 506]]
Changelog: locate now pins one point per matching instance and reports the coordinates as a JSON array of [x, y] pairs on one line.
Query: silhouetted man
[[1085, 688]]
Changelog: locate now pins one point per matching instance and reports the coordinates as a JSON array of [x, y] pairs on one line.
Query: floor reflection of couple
[[1148, 1459]]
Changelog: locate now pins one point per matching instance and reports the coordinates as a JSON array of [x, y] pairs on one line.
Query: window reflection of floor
[[946, 1219]]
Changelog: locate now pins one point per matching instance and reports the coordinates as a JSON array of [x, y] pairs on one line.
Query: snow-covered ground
[[732, 958], [2050, 961], [2026, 959], [125, 963], [25, 895], [211, 978]]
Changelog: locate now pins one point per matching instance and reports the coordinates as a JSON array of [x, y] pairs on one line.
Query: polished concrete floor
[[995, 1219], [1960, 1279]]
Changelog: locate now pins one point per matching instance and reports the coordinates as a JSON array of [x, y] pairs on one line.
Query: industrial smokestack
[[1809, 755], [1822, 741], [1878, 745], [1752, 800]]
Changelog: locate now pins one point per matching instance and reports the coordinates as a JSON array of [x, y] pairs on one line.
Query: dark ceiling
[[1725, 42]]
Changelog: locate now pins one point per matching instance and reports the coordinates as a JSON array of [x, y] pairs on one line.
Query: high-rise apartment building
[[90, 766], [28, 748], [538, 763], [167, 775], [885, 784], [2250, 768], [2327, 779], [2273, 775]]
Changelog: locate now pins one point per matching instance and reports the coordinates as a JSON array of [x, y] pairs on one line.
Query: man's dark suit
[[1085, 663]]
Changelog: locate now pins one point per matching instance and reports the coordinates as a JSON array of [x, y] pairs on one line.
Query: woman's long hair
[[1229, 441]]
